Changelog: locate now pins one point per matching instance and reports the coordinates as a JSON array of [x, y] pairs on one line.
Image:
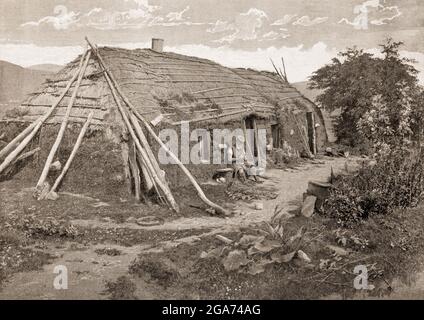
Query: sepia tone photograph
[[200, 150]]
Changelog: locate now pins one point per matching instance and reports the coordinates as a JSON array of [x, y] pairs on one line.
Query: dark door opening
[[311, 132], [276, 136], [251, 135]]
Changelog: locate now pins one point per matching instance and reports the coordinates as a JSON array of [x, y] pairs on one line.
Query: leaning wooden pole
[[73, 153], [162, 186], [284, 68], [145, 144], [199, 190], [63, 126], [35, 126], [12, 144]]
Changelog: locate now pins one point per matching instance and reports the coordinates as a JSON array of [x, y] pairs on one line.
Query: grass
[[121, 289], [391, 247]]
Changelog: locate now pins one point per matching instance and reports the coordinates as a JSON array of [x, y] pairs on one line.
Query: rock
[[221, 180], [131, 220], [259, 206], [224, 239], [52, 196], [55, 166], [100, 204], [157, 120], [338, 250], [303, 256], [308, 207]]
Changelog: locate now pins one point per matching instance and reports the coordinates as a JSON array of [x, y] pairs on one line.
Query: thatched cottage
[[166, 88]]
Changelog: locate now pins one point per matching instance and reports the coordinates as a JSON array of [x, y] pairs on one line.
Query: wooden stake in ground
[[63, 126], [163, 187], [146, 146], [72, 156], [135, 170], [199, 190], [35, 126]]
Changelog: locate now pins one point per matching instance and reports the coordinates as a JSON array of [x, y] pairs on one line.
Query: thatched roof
[[177, 86]]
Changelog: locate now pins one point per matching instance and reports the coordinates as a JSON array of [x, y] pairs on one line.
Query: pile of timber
[[141, 160]]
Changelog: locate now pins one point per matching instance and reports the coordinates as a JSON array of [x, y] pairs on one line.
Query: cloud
[[177, 16], [62, 20], [220, 26], [244, 26], [390, 16], [272, 35], [307, 22], [372, 12], [143, 15], [285, 20]]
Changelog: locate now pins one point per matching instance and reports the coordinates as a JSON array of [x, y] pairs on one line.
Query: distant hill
[[16, 82], [311, 94], [48, 67]]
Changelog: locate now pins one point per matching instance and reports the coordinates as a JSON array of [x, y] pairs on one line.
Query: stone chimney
[[157, 45]]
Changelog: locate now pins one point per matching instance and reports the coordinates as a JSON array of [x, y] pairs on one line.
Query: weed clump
[[394, 181]]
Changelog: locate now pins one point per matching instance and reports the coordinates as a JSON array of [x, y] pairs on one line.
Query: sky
[[235, 33]]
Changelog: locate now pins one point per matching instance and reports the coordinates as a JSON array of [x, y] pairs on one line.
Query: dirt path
[[290, 186], [88, 271]]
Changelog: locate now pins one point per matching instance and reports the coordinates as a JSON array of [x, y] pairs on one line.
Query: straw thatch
[[176, 86]]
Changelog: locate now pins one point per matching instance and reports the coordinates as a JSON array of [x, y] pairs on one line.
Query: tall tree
[[369, 91]]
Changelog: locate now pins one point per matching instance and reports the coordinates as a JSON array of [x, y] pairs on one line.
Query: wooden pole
[[278, 72], [146, 145], [164, 188], [284, 68], [36, 126], [135, 170], [73, 153], [63, 126], [199, 190], [9, 171], [302, 135], [7, 149]]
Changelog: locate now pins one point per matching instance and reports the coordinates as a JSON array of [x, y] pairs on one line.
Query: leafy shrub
[[395, 181], [157, 269], [122, 289], [48, 227]]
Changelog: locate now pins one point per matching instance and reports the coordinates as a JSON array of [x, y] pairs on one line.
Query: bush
[[395, 181], [122, 289]]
